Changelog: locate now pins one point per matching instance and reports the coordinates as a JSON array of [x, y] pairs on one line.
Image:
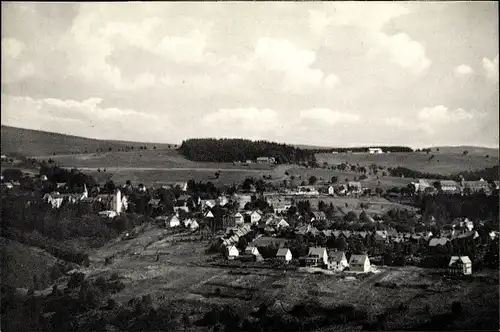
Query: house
[[282, 224], [209, 214], [421, 185], [255, 217], [476, 186], [182, 185], [449, 187], [207, 203], [181, 208], [232, 252], [194, 225], [337, 260], [279, 204], [375, 150], [182, 200], [250, 250], [434, 242], [460, 265], [307, 191], [266, 160], [354, 187], [172, 222], [238, 218], [318, 215], [284, 254], [331, 190], [243, 200], [142, 188], [359, 263], [317, 256], [54, 199]]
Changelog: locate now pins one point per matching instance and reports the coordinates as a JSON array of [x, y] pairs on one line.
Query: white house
[[282, 224], [331, 190], [194, 225], [460, 265], [173, 222], [255, 217], [375, 150], [108, 213], [209, 214], [317, 256], [232, 252], [251, 250], [337, 261], [359, 263], [284, 254], [182, 185], [238, 218]]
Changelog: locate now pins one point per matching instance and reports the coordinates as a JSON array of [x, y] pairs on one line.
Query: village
[[321, 227]]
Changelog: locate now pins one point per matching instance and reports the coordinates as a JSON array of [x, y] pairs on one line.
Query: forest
[[230, 150]]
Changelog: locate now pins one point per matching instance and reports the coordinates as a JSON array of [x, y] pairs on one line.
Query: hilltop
[[471, 150], [27, 142]]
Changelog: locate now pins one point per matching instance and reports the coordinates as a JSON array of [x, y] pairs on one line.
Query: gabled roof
[[319, 215], [209, 214], [316, 251], [154, 201], [358, 259], [463, 259], [438, 241], [336, 256], [327, 232], [282, 252]]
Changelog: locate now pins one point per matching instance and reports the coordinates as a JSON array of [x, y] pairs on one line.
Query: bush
[[76, 280]]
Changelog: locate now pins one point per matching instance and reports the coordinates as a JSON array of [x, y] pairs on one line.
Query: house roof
[[463, 259], [319, 215], [448, 183], [282, 252], [316, 251], [358, 259], [336, 256], [438, 241], [154, 201]]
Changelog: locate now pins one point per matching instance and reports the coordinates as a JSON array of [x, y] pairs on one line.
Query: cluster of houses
[[316, 257], [453, 187]]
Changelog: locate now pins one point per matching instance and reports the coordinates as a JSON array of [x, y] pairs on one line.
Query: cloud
[[88, 117], [319, 20], [12, 47], [403, 51], [491, 68], [441, 114], [463, 70], [331, 80], [328, 116]]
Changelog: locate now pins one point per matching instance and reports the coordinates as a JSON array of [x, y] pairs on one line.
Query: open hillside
[[433, 163], [471, 150], [27, 142]]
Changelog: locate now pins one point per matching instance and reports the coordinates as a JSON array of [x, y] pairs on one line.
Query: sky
[[327, 74]]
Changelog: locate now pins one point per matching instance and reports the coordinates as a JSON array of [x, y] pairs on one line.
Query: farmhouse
[[209, 214], [317, 256], [375, 150], [250, 250], [359, 263], [331, 190], [255, 217], [354, 187], [238, 219], [172, 222], [232, 252], [318, 215], [337, 261], [266, 160], [284, 254], [460, 265], [243, 200]]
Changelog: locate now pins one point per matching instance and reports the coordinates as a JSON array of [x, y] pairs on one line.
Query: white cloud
[[395, 122], [463, 70], [331, 80], [12, 48], [318, 21], [372, 16], [491, 68], [403, 51], [328, 116], [441, 115]]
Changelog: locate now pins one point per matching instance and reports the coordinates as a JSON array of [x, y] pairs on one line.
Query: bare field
[[441, 163], [183, 274], [142, 159]]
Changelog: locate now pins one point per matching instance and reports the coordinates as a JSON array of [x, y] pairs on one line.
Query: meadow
[[441, 163]]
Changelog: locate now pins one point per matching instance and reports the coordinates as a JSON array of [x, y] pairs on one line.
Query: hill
[[471, 150], [432, 163], [27, 142]]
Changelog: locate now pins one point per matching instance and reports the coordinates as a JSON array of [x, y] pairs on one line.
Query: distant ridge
[[29, 142]]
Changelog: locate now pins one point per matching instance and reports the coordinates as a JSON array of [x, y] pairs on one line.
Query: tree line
[[229, 150]]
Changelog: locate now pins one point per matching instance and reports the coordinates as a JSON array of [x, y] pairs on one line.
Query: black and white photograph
[[249, 166]]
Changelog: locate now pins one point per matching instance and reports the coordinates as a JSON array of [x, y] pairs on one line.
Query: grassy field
[[442, 163], [182, 274], [30, 143]]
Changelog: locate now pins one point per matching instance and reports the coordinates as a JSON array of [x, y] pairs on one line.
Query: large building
[[375, 150], [266, 160]]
